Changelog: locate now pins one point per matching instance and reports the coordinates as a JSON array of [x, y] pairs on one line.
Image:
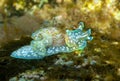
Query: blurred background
[[100, 60]]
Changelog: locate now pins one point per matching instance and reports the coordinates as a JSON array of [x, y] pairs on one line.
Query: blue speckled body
[[50, 41]]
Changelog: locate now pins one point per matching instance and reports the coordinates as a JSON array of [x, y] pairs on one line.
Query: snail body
[[49, 41]]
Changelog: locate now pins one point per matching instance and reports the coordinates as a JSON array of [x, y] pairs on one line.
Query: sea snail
[[49, 41]]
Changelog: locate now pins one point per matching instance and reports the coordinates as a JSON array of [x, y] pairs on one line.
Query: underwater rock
[[61, 61], [115, 34], [49, 41]]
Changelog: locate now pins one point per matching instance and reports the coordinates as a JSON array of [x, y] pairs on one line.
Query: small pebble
[[114, 43], [97, 49]]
